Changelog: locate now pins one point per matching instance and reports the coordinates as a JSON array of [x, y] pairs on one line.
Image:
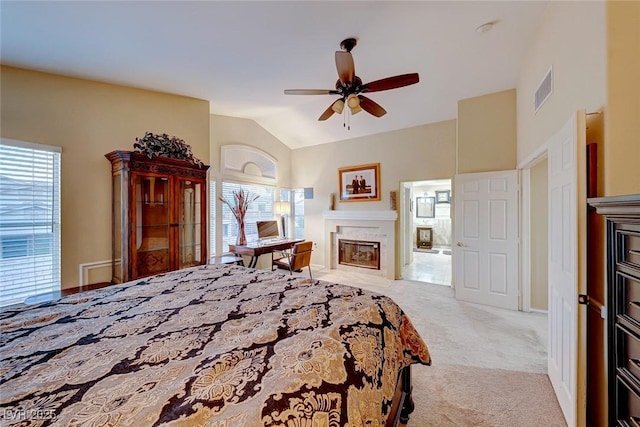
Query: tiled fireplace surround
[[377, 226]]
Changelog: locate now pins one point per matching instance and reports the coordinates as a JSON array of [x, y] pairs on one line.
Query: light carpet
[[489, 365]]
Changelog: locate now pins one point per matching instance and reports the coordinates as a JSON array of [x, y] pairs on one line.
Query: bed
[[215, 345]]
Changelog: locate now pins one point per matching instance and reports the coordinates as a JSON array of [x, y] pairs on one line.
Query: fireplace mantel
[[361, 215]]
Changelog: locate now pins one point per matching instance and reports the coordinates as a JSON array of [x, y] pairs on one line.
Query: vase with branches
[[239, 206]]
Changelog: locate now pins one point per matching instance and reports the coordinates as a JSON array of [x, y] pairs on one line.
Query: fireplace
[[364, 228], [359, 253]]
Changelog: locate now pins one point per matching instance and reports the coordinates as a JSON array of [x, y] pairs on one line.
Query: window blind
[[298, 213], [260, 210], [29, 220], [212, 219]]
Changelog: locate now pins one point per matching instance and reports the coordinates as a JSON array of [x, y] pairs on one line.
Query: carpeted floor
[[457, 395], [489, 365]]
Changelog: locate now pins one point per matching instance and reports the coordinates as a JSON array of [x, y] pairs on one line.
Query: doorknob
[[460, 244]]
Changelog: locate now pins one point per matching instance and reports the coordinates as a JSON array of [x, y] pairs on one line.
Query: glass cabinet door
[[189, 223], [152, 225]]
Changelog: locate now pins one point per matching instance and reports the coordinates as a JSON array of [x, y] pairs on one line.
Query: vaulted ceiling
[[241, 55]]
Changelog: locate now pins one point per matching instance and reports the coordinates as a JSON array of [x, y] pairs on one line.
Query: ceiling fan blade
[[391, 83], [327, 113], [310, 92], [346, 67], [371, 106]]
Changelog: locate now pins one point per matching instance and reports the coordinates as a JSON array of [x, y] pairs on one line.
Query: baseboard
[[83, 270]]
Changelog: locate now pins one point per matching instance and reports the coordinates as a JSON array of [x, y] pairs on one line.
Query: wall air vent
[[544, 90]]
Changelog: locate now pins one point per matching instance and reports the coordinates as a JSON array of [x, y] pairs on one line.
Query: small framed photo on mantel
[[359, 183]]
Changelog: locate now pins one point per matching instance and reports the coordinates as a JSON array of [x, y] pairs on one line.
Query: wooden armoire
[[622, 214], [159, 211]]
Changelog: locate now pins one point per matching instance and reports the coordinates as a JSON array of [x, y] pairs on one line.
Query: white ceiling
[[240, 56]]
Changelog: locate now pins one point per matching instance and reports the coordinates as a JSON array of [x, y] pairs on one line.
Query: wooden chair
[[297, 259]]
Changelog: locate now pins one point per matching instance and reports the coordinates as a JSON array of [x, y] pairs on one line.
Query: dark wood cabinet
[[159, 211], [622, 215]]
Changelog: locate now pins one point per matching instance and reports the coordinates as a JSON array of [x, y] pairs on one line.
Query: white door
[[486, 238], [563, 261]]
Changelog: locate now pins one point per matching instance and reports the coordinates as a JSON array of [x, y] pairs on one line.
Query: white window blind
[[29, 220], [212, 219], [297, 213], [260, 210]]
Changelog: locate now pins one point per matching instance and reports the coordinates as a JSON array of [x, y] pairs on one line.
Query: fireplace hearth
[[359, 253]]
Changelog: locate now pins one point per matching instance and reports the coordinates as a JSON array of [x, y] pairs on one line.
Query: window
[[29, 220], [297, 213], [260, 210], [212, 219]]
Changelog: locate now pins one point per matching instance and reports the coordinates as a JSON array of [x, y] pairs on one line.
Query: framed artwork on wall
[[443, 196], [425, 207], [359, 183]]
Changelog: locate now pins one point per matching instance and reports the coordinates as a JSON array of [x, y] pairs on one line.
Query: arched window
[[248, 164]]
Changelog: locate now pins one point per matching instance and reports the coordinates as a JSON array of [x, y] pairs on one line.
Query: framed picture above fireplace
[[359, 183]]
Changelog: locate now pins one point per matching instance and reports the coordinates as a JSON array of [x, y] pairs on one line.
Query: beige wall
[[487, 132], [414, 154], [89, 119], [622, 148], [572, 38], [539, 236]]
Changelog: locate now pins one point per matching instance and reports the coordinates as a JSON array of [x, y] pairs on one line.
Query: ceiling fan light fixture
[[350, 88], [353, 101], [338, 106]]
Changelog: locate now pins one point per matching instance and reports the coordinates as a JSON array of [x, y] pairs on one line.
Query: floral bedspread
[[219, 346]]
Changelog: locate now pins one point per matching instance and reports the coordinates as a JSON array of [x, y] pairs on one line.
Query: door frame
[[525, 255], [406, 241], [525, 223], [405, 214]]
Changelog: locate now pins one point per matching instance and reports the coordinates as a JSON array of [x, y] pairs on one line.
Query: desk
[[254, 250]]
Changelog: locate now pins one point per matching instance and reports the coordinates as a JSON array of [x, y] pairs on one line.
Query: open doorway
[[427, 231], [535, 232]]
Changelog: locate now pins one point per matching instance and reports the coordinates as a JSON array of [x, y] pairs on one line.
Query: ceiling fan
[[350, 87]]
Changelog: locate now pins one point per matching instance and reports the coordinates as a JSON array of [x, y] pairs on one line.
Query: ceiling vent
[[544, 90]]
